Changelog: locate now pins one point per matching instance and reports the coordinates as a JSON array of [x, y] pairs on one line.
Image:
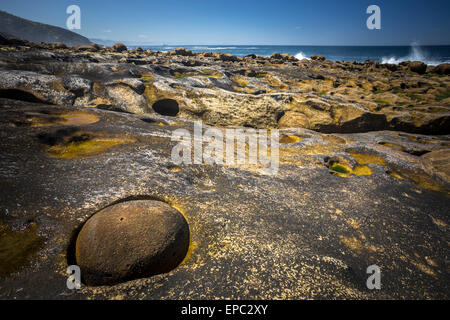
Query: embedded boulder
[[131, 240]]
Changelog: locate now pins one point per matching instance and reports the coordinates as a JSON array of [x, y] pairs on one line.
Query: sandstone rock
[[127, 99], [131, 240], [289, 57], [292, 119], [276, 55], [317, 57], [181, 52], [225, 56], [332, 225], [390, 67], [443, 68], [34, 87], [418, 66], [119, 47], [93, 48], [439, 161]]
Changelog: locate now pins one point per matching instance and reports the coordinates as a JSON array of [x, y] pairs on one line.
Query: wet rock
[[317, 57], [418, 67], [391, 67], [79, 86], [289, 57], [443, 69], [225, 57], [131, 240]]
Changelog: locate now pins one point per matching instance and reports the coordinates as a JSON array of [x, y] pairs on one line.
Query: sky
[[243, 22]]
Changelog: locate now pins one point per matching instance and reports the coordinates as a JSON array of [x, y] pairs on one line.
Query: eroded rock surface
[[345, 196], [222, 89]]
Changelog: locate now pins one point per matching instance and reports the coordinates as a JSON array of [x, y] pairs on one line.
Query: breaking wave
[[213, 48], [301, 56], [416, 54]]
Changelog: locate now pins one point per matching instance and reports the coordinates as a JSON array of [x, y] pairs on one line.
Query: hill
[[13, 26]]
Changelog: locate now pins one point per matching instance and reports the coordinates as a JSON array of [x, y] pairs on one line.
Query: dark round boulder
[[131, 240], [443, 69], [119, 47], [317, 57], [277, 55], [418, 67]]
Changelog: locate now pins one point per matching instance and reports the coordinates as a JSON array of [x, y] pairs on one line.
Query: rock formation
[[363, 177]]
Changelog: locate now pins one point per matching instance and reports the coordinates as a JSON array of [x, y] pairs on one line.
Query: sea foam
[[416, 54], [301, 56]]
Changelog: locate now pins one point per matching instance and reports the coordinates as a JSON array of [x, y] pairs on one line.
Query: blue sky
[[264, 22]]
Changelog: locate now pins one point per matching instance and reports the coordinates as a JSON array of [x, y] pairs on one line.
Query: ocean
[[431, 55]]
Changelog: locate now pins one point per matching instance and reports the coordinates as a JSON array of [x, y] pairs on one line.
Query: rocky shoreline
[[364, 175]]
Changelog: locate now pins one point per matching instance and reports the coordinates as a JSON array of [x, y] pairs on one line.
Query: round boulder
[[131, 240], [418, 67], [119, 47], [443, 68]]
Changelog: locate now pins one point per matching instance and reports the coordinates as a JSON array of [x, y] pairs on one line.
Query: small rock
[[276, 55], [92, 47], [119, 47], [317, 57], [225, 56], [443, 68], [59, 45], [181, 52], [418, 67]]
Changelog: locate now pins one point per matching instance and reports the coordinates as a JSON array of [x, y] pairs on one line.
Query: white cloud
[[107, 31], [143, 36]]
